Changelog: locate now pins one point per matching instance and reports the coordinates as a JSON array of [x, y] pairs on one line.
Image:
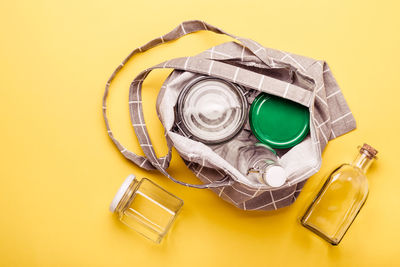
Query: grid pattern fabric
[[247, 63]]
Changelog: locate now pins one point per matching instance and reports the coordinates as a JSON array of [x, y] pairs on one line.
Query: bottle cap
[[121, 191], [278, 122], [369, 151], [275, 176], [211, 110]]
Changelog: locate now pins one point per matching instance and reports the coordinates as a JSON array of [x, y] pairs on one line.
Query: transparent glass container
[[260, 163], [211, 110], [340, 199], [146, 207]]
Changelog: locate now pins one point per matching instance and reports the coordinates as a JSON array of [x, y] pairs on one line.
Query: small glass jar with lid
[[211, 110], [146, 207]]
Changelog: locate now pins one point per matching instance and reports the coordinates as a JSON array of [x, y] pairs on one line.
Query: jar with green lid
[[278, 122]]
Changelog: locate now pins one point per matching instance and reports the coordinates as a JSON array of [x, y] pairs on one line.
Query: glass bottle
[[146, 207], [340, 199], [260, 163], [256, 161]]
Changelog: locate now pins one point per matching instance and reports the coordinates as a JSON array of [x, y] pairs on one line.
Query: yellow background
[[59, 170]]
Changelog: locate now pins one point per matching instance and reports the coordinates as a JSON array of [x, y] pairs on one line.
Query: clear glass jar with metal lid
[[146, 207], [211, 110]]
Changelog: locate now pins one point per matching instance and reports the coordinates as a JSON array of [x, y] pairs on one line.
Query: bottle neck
[[362, 161]]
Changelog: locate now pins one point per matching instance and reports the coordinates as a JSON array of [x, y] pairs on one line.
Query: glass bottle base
[[333, 242]]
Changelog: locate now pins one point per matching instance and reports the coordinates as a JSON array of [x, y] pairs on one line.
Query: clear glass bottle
[[257, 161], [260, 163], [146, 207], [340, 199]]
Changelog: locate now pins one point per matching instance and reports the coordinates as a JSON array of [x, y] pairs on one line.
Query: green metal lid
[[278, 122]]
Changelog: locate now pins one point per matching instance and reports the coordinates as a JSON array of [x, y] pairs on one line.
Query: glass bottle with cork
[[340, 199]]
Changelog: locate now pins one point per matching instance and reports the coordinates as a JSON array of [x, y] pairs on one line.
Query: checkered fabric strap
[[201, 65]]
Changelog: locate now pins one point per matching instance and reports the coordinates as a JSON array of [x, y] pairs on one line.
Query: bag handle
[[151, 162]]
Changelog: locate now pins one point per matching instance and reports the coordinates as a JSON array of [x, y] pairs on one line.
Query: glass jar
[[211, 110], [278, 122], [146, 207]]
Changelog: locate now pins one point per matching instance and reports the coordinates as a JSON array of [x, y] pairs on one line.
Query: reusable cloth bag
[[249, 64]]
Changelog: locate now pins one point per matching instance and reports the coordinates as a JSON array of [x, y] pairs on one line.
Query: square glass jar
[[146, 207]]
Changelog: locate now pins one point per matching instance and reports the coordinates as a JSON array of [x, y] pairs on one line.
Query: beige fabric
[[300, 79]]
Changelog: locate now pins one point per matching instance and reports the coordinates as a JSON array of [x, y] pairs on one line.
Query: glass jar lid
[[278, 122], [212, 110]]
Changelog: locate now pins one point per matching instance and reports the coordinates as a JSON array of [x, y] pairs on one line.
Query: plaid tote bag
[[245, 62]]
